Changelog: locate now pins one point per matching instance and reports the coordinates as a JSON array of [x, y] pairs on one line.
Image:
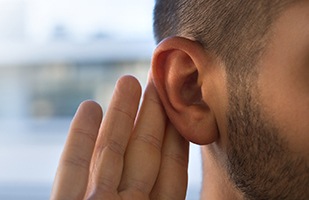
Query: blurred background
[[53, 55]]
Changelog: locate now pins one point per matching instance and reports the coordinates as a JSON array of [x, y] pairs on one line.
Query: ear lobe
[[177, 70]]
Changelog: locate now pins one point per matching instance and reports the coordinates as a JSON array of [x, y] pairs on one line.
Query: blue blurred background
[[53, 55]]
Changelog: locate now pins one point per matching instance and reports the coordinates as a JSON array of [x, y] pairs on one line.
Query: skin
[[286, 96], [281, 98], [100, 158], [142, 154]]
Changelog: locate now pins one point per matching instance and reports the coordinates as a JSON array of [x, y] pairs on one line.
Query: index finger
[[144, 150]]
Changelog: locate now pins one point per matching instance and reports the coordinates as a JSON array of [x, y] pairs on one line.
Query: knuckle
[[136, 186], [77, 161], [124, 112], [102, 187], [150, 139], [115, 147], [178, 159], [84, 134], [104, 184]]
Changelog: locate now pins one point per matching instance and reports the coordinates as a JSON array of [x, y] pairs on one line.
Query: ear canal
[[191, 90]]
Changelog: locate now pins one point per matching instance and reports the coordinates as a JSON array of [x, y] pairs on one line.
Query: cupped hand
[[132, 154]]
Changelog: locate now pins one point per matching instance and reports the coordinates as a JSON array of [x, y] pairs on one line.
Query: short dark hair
[[234, 30]]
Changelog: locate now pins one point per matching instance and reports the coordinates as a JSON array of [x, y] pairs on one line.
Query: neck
[[216, 183]]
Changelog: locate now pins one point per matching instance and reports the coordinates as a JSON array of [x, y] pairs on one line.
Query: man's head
[[240, 81]]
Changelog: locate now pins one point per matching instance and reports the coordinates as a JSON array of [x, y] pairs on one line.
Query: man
[[231, 76]]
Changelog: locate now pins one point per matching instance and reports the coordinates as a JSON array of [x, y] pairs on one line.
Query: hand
[[126, 156]]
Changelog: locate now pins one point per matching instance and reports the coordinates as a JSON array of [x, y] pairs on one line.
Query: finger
[[73, 171], [173, 176], [142, 160], [114, 136]]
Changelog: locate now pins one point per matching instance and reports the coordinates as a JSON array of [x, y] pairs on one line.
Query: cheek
[[283, 83], [285, 99]]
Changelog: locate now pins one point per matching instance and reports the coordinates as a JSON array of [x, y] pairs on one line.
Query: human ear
[[179, 72]]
